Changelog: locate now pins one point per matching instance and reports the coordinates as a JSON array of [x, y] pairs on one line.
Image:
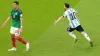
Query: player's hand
[[55, 22], [2, 25], [20, 29]]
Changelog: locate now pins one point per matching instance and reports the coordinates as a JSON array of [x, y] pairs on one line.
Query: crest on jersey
[[15, 13]]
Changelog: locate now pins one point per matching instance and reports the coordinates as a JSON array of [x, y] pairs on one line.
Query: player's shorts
[[79, 29], [15, 31]]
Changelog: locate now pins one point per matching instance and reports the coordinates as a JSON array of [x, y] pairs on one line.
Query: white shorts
[[15, 31]]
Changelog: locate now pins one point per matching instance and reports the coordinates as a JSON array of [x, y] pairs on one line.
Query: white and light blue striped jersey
[[73, 20]]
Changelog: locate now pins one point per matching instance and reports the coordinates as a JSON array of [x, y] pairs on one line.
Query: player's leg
[[81, 30], [70, 32], [13, 40], [17, 33], [87, 37]]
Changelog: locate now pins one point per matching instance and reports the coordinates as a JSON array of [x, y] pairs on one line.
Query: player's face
[[64, 7], [15, 5]]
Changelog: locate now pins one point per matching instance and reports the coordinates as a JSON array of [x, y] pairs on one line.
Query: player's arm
[[56, 21], [21, 20], [6, 21]]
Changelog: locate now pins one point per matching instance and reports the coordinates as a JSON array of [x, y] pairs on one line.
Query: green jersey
[[16, 15]]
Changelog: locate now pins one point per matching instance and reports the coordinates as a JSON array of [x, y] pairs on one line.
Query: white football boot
[[12, 49], [27, 46]]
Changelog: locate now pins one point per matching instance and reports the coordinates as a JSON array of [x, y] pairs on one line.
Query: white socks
[[86, 36], [71, 34], [83, 33]]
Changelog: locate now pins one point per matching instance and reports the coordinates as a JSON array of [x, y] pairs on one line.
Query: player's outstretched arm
[[6, 21], [56, 21]]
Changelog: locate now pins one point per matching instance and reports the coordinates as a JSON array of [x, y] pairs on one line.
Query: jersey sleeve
[[65, 14]]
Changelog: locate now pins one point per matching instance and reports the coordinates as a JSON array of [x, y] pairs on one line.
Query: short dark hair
[[67, 5], [16, 2]]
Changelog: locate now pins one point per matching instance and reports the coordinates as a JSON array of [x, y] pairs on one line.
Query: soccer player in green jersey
[[16, 28]]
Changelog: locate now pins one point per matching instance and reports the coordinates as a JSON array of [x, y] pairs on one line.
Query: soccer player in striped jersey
[[74, 23], [16, 16]]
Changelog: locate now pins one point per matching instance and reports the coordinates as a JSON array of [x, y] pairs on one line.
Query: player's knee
[[16, 34], [70, 33], [83, 33]]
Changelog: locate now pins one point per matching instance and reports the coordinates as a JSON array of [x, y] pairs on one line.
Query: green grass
[[47, 39]]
